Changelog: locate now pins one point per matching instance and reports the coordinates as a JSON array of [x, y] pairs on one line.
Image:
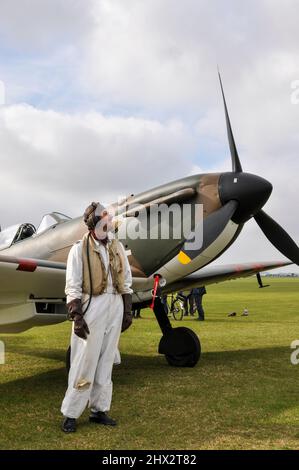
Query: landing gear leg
[[181, 345]]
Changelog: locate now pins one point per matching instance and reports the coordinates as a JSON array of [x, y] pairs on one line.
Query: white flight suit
[[92, 359]]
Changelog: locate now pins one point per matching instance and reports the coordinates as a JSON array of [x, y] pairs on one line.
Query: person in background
[[188, 300], [184, 298], [191, 302], [136, 313], [198, 294]]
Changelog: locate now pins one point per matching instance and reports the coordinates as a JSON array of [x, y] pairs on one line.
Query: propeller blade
[[278, 236], [211, 228], [236, 164]]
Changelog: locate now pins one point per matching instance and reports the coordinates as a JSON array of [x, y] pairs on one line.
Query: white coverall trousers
[[92, 359]]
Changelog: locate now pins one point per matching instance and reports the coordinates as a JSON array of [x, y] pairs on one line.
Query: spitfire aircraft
[[33, 262]]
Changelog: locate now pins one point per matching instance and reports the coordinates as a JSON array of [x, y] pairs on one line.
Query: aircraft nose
[[250, 191]]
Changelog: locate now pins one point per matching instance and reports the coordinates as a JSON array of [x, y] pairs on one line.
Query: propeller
[[242, 196], [278, 236], [252, 192], [236, 164]]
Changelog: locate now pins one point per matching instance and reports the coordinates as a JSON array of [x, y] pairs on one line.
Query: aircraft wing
[[213, 274], [23, 278]]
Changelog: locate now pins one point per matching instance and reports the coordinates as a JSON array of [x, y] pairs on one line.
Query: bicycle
[[177, 308]]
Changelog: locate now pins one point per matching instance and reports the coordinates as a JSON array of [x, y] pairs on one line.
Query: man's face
[[106, 219], [104, 225]]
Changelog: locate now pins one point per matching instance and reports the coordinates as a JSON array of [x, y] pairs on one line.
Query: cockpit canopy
[[51, 219], [18, 232], [15, 233]]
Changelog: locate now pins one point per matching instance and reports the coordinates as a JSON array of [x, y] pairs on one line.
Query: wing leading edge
[[215, 274]]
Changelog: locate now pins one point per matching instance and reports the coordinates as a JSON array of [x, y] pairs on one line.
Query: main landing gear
[[181, 345]]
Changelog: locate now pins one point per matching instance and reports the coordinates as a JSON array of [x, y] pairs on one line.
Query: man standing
[[198, 293], [99, 301]]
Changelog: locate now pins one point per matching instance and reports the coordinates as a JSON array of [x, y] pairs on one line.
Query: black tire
[[181, 347]]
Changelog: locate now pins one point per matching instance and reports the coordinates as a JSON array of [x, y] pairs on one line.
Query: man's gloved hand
[[127, 317], [80, 327], [75, 314], [74, 307]]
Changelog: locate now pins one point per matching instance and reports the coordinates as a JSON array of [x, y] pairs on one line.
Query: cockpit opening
[[25, 231], [15, 233]]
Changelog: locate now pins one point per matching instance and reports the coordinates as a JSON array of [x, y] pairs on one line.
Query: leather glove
[[127, 317], [80, 327], [75, 314], [74, 307]]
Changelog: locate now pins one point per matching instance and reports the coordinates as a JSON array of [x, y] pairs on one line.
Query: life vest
[[99, 274]]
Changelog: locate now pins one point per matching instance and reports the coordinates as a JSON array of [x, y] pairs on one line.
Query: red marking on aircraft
[[258, 266], [238, 268], [26, 265]]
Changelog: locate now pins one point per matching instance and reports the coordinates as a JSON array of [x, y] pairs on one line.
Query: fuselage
[[146, 256], [219, 206]]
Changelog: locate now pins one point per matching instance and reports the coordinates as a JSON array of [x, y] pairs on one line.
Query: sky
[[105, 98]]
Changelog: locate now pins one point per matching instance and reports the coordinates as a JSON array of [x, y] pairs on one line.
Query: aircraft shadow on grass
[[149, 365]]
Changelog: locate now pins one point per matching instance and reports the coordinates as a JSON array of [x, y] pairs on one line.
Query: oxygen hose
[[89, 270]]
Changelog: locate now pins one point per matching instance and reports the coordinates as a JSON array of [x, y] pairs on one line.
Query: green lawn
[[243, 394]]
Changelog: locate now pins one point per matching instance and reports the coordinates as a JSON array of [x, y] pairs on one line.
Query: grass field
[[243, 394]]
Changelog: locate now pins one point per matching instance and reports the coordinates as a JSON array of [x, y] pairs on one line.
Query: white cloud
[[34, 26], [71, 159]]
